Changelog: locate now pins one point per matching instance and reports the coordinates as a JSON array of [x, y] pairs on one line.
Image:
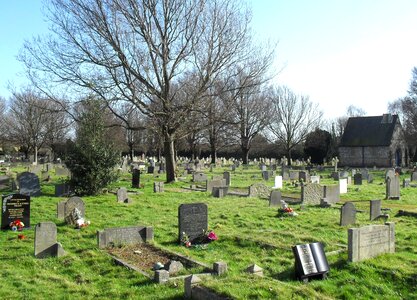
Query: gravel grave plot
[[141, 256]]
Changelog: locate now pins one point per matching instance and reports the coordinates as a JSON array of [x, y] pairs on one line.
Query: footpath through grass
[[249, 232]]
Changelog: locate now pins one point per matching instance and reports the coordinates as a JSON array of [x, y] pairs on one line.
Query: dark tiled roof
[[368, 131]]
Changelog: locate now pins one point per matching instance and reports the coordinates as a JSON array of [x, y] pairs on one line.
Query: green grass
[[249, 232]]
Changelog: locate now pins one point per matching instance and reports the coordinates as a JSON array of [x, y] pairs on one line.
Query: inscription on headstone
[[15, 207], [124, 236]]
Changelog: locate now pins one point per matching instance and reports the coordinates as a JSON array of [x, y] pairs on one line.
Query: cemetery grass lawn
[[249, 232]]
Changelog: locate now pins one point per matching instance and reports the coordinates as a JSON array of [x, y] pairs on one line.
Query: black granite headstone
[[15, 207], [135, 178]]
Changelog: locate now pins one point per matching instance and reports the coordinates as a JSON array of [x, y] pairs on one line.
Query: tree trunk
[[169, 154], [213, 152], [245, 155], [35, 156]]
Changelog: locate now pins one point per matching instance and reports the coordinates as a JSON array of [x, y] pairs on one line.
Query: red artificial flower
[[187, 244], [21, 237], [212, 236]]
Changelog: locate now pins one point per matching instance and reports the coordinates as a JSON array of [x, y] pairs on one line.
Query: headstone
[[393, 187], [294, 175], [335, 175], [414, 176], [311, 194], [259, 190], [406, 182], [347, 214], [124, 236], [304, 176], [62, 189], [65, 208], [45, 241], [343, 174], [158, 187], [265, 175], [375, 209], [315, 179], [219, 191], [365, 174], [161, 167], [29, 184], [15, 207], [275, 198], [285, 173], [173, 267], [122, 195], [226, 177], [370, 241], [135, 178], [151, 169], [343, 183], [278, 182], [59, 171], [370, 178], [4, 182], [331, 193], [310, 261], [199, 177], [45, 176], [192, 221], [214, 183], [357, 179]]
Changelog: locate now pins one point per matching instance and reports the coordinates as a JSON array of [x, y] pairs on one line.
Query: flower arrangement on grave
[[76, 219], [21, 237], [285, 210], [205, 238], [16, 225]]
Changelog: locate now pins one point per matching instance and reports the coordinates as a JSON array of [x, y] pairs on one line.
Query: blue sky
[[338, 52]]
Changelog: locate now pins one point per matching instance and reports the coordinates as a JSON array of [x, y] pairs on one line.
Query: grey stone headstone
[[294, 175], [365, 173], [393, 187], [265, 175], [406, 182], [389, 173], [311, 194], [62, 189], [199, 177], [335, 175], [259, 190], [219, 191], [370, 241], [275, 198], [124, 236], [414, 176], [29, 184], [210, 184], [331, 193], [65, 208], [122, 195], [158, 187], [357, 179], [46, 241], [226, 177], [347, 214], [370, 178], [304, 176], [5, 182], [59, 171], [375, 209], [344, 174], [192, 220]]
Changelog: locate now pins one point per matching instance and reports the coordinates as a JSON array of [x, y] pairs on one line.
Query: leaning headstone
[[331, 193], [45, 241], [124, 236], [29, 184], [357, 179], [275, 198], [343, 185], [311, 194], [122, 195], [375, 209], [347, 214], [370, 178], [192, 221], [158, 187], [278, 182], [370, 241], [393, 187], [15, 207], [135, 178], [259, 190]]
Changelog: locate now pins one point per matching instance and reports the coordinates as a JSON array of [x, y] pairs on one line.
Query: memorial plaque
[[310, 261], [370, 241], [192, 220], [15, 207]]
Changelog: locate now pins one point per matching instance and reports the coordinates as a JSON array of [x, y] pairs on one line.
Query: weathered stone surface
[[357, 179], [331, 193], [199, 177], [393, 187], [161, 276], [65, 208], [45, 241], [192, 221], [29, 184], [227, 178], [347, 214], [259, 190], [275, 198], [370, 241], [124, 236], [375, 209], [135, 178], [122, 195], [219, 191], [214, 183], [158, 187], [173, 267], [220, 268], [311, 194]]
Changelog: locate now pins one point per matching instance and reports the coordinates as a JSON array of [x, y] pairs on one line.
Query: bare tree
[[294, 117], [33, 122], [135, 51]]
